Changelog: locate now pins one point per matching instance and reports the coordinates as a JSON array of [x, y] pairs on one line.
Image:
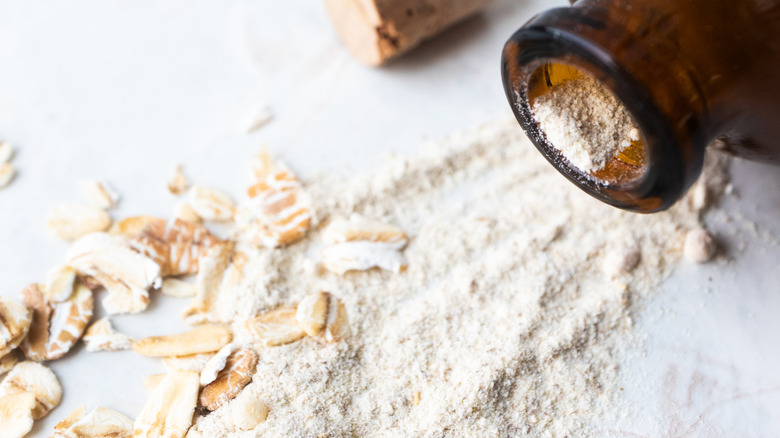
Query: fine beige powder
[[508, 321], [584, 120]]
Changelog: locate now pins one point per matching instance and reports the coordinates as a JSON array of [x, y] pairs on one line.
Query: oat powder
[[585, 121], [508, 321]]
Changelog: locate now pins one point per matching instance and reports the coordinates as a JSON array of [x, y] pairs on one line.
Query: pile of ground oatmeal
[[512, 318]]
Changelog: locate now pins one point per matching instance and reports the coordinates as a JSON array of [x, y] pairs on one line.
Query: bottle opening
[[587, 125]]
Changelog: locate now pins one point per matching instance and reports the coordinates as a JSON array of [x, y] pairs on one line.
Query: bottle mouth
[[586, 126], [648, 176]]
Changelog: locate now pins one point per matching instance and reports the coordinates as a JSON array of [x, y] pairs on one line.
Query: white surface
[[127, 90]]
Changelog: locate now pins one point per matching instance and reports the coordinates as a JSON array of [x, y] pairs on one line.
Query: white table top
[[126, 90]]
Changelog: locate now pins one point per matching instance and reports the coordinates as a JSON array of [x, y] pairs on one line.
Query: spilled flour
[[506, 322]]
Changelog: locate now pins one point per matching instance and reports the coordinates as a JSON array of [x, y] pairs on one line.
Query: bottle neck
[[676, 67]]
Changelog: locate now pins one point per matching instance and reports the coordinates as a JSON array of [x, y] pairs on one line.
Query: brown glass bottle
[[689, 71]]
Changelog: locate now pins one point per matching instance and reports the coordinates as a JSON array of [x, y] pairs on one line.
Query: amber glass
[[689, 71]]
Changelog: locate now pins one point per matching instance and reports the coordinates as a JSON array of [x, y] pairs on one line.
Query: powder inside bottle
[[586, 122]]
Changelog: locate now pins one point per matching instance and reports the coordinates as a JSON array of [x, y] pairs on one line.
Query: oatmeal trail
[[508, 320], [466, 290]]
